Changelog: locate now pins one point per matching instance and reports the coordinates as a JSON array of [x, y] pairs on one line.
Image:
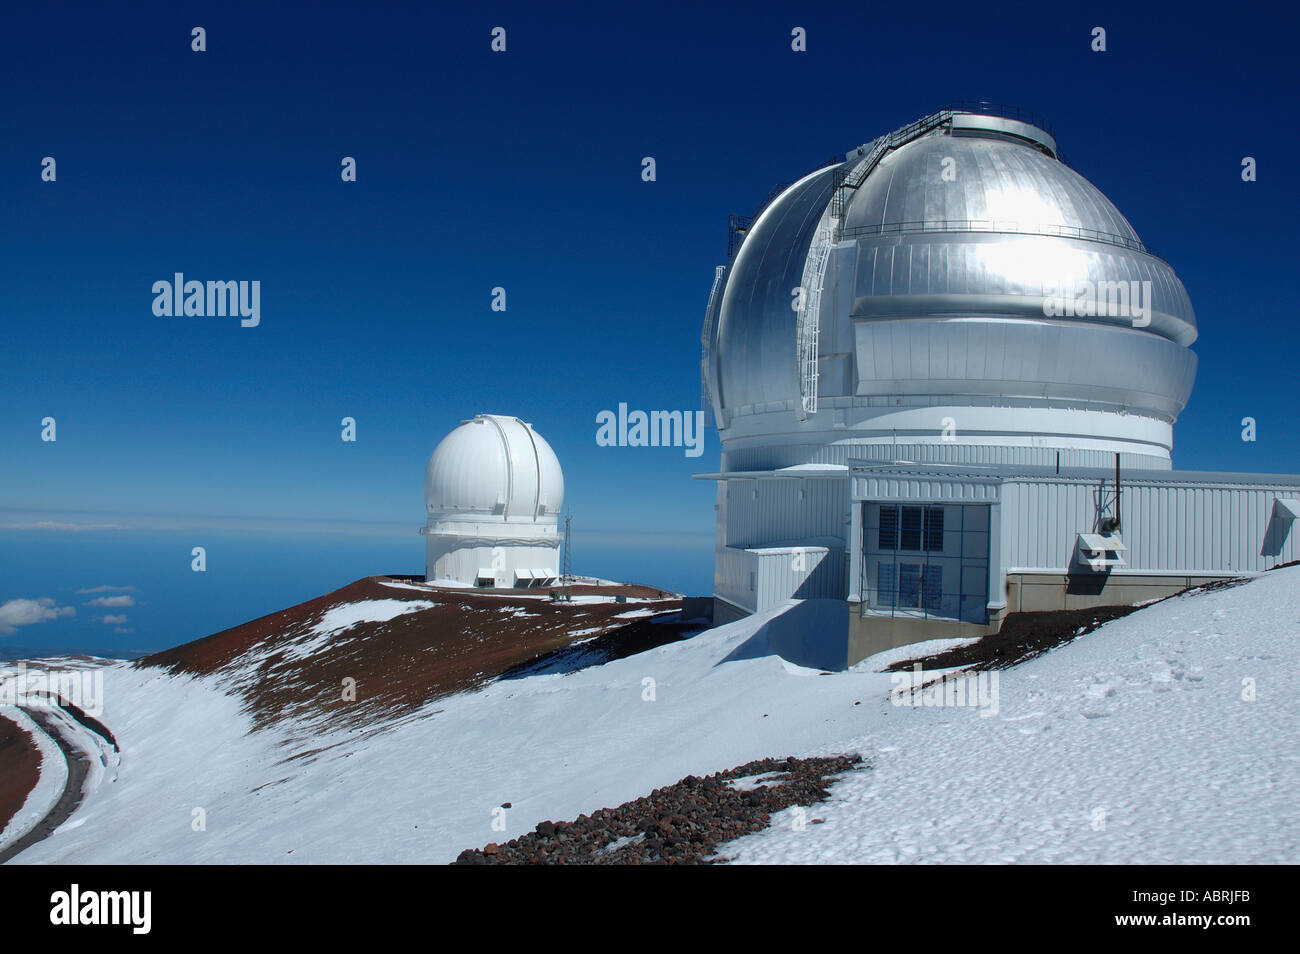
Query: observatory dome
[[494, 468], [932, 265], [493, 490]]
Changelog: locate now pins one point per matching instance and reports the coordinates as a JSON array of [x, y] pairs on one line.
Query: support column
[[855, 548], [997, 563]]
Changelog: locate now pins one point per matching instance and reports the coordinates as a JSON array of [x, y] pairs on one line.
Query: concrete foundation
[[1043, 592], [1026, 593], [873, 634]]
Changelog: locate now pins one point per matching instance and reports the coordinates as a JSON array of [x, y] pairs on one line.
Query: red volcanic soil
[[282, 668], [20, 767]]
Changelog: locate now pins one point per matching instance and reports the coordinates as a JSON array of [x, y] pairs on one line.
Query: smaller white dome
[[494, 469]]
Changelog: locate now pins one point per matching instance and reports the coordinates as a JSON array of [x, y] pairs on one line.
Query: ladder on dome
[[848, 177]]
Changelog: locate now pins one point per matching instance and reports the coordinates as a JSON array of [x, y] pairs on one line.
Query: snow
[[343, 617], [545, 743], [422, 587], [748, 783], [929, 647], [1135, 744], [1132, 744], [53, 778]]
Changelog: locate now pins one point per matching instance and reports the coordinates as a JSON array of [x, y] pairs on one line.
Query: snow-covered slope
[[1168, 736], [1143, 720], [49, 785]]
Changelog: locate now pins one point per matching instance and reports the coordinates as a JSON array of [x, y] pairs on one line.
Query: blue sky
[[519, 170]]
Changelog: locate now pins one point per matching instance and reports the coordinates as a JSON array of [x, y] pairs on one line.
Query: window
[[932, 560], [911, 528], [909, 585], [934, 528], [888, 528], [932, 584], [885, 584], [910, 538], [920, 586]]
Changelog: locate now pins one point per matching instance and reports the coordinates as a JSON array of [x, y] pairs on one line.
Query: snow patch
[[52, 778], [343, 617]]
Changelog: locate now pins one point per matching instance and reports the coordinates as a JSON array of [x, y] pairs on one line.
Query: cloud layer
[[24, 612], [112, 601]]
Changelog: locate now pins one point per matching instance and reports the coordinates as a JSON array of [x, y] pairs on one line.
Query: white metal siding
[[1167, 528], [779, 575], [772, 512]]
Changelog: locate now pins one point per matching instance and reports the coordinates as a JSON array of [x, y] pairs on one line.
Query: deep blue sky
[[521, 170]]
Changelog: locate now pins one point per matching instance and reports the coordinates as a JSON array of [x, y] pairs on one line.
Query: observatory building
[[945, 372], [492, 491]]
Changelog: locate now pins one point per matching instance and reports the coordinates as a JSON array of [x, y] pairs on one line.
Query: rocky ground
[[683, 824], [20, 763], [464, 640], [1022, 637]]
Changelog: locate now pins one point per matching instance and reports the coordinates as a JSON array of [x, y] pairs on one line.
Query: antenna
[[1110, 523], [566, 571], [1117, 492]]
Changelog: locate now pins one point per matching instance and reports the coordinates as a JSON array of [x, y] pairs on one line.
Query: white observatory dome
[[493, 490], [926, 259], [494, 467]]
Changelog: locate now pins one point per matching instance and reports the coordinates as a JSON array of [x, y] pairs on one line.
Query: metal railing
[[850, 175], [1005, 111]]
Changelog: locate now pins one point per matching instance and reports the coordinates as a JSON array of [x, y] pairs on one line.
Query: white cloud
[[113, 618], [58, 525], [23, 612], [112, 601], [106, 589], [123, 629]]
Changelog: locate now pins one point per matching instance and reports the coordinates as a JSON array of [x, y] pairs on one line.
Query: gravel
[[683, 824]]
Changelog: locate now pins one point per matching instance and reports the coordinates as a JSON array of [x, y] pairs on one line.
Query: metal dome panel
[[756, 326], [991, 179], [952, 239], [494, 468]]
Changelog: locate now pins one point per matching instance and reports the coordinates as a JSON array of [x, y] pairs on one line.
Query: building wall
[[764, 524], [1181, 530], [1045, 592], [444, 559], [755, 580], [1168, 527], [786, 511], [869, 635]]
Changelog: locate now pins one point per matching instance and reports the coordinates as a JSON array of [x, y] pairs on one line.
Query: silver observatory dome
[[950, 292]]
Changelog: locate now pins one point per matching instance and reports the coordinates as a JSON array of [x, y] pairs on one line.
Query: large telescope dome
[[965, 296]]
